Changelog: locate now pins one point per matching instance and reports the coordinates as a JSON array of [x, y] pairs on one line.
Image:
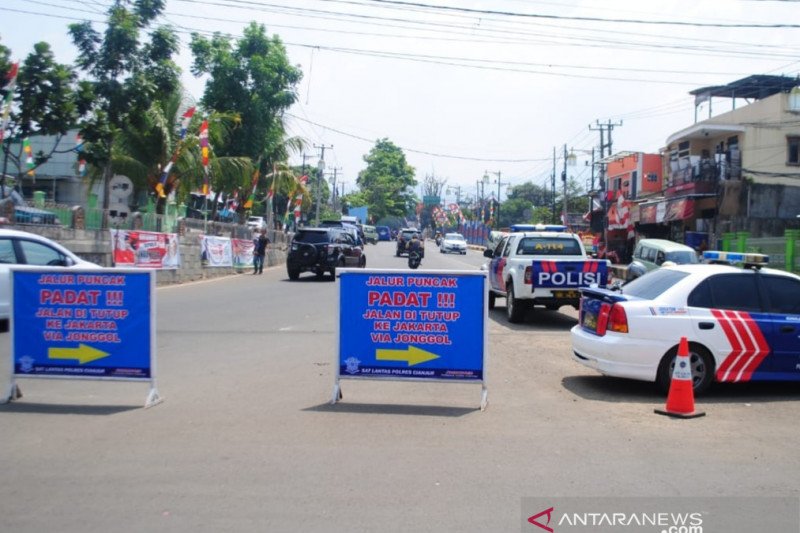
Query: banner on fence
[[216, 251], [243, 253], [145, 249]]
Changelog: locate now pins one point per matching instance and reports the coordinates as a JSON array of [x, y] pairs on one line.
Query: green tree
[[387, 182], [254, 79], [126, 75], [47, 101]]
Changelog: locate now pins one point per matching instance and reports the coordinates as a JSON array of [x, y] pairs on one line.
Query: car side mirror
[[488, 253]]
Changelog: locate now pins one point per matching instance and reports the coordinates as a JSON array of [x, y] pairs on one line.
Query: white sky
[[540, 84]]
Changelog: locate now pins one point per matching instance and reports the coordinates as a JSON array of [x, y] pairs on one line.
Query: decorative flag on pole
[[26, 147], [9, 86], [81, 160], [186, 118], [252, 197], [204, 150], [298, 201], [270, 196], [289, 206]]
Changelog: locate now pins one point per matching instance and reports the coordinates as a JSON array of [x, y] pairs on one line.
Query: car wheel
[[492, 299], [362, 262], [320, 273], [441, 251], [515, 309], [294, 273], [702, 368], [552, 307]]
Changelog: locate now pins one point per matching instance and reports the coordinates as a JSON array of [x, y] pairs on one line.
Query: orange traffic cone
[[680, 400]]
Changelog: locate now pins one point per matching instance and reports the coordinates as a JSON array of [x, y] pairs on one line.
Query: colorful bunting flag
[[185, 120]]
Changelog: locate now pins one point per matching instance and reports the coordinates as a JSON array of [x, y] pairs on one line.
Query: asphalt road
[[247, 441]]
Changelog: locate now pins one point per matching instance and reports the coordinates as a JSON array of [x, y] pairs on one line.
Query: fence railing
[[782, 251], [51, 214]]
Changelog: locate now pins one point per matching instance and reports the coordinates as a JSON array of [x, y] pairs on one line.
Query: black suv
[[404, 236], [321, 250]]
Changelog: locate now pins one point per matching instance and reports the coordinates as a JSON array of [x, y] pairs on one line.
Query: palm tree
[[141, 153]]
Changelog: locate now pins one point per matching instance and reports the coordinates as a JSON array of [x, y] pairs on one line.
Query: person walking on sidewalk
[[260, 251]]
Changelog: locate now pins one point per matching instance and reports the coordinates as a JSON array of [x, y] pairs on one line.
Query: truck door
[[497, 265]]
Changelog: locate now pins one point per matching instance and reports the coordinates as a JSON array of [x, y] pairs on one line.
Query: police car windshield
[[653, 284], [683, 257], [548, 246]]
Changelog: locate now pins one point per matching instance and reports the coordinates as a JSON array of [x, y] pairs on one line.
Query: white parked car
[[453, 243], [23, 248], [742, 324], [256, 223]]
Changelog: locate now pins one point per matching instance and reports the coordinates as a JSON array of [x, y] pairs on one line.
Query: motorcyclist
[[438, 238], [414, 247]]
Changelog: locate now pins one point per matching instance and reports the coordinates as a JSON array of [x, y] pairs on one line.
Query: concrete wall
[[95, 246]]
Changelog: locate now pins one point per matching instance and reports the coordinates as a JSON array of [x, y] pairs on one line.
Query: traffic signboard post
[[83, 324], [420, 326]]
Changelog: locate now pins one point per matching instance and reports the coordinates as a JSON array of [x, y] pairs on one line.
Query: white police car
[[743, 324]]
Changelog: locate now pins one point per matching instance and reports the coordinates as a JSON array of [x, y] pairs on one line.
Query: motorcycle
[[438, 240], [414, 259]]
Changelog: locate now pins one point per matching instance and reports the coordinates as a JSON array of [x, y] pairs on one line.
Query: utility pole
[[564, 179], [609, 127], [499, 183], [320, 170], [553, 188], [333, 188]]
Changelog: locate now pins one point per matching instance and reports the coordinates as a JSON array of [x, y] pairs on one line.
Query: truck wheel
[[492, 299], [515, 309]]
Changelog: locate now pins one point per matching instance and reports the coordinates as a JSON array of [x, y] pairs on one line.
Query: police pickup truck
[[544, 266]]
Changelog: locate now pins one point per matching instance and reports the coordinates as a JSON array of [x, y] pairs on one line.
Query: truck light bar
[[537, 227]]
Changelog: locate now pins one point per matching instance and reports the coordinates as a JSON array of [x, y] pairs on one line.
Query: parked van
[[650, 254], [370, 234]]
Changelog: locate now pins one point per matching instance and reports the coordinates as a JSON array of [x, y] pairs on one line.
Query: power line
[[582, 19], [412, 150]]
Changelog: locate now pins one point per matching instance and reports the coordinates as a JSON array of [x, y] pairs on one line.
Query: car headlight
[[294, 247]]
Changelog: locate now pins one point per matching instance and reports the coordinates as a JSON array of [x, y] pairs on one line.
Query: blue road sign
[[412, 326], [83, 324]]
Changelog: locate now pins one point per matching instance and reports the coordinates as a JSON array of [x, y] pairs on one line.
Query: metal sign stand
[[13, 390], [338, 376]]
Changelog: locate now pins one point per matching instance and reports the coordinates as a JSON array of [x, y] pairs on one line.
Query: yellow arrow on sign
[[412, 355], [83, 353]]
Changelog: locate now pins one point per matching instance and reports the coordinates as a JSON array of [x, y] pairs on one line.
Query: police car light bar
[[736, 257]]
